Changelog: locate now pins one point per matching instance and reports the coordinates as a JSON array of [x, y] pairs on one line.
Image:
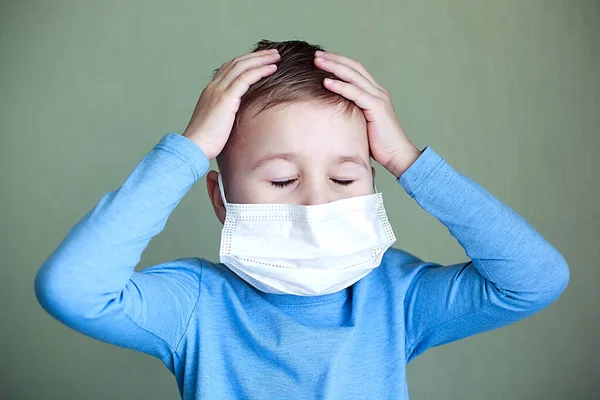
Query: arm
[[89, 283], [513, 272]]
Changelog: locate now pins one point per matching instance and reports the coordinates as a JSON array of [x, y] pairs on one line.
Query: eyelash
[[287, 183], [342, 182], [282, 183]]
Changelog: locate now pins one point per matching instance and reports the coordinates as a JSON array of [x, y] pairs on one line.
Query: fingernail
[[274, 50], [319, 53]]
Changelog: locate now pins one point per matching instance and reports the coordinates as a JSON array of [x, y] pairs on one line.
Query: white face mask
[[305, 250]]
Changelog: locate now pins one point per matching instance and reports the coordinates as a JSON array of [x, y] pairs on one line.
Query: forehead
[[303, 127]]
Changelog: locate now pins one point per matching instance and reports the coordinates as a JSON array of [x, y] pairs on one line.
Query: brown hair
[[296, 79]]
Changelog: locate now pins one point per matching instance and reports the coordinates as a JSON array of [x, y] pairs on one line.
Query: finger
[[351, 63], [349, 75], [240, 85], [226, 67], [239, 67], [360, 97]]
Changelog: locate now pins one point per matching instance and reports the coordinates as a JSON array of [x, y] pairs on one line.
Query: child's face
[[299, 153]]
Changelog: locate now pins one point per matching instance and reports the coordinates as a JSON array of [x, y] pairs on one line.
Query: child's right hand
[[213, 117]]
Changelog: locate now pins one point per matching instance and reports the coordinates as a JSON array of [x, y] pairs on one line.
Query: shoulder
[[180, 268], [195, 273], [400, 259], [401, 266]]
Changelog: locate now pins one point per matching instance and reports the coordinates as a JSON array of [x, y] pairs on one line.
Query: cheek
[[365, 187], [253, 191], [236, 190], [247, 194], [361, 187]]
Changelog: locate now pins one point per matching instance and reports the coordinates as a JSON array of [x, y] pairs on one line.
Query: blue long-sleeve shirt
[[224, 339]]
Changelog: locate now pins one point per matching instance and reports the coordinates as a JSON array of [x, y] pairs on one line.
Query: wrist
[[202, 145], [403, 160]]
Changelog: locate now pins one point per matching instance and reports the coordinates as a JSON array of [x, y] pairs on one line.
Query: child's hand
[[389, 144], [215, 111]]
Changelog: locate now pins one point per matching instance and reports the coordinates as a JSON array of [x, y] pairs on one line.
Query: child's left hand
[[389, 144]]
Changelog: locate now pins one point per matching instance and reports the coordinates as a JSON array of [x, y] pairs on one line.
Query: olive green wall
[[508, 92]]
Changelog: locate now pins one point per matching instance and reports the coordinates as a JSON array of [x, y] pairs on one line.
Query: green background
[[508, 92]]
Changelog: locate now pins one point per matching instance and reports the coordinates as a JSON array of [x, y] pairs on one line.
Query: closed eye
[[283, 183], [342, 181]]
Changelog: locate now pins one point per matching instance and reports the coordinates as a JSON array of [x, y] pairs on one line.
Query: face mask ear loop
[[375, 186], [221, 189]]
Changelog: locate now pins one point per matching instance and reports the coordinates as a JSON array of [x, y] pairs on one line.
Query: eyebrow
[[353, 159], [291, 157], [271, 157]]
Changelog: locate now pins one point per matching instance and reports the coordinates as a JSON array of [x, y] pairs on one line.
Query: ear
[[214, 193]]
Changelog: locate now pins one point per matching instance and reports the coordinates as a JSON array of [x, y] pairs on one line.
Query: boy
[[310, 301]]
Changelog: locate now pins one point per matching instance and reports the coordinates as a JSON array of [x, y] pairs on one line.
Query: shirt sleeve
[[89, 283], [512, 273]]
